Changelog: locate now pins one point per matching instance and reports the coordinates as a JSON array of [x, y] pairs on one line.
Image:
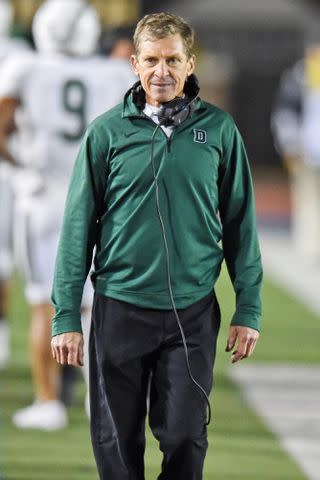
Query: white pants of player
[[38, 221], [305, 192], [6, 221]]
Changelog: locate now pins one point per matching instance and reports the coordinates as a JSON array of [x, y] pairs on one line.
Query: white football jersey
[[9, 46], [59, 96]]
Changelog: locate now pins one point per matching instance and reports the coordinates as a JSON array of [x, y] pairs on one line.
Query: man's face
[[163, 67]]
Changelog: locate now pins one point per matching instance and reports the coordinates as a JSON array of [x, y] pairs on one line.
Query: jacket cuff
[[66, 323], [244, 319]]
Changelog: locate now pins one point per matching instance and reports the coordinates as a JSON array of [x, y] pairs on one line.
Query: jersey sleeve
[[78, 234], [240, 241], [13, 73]]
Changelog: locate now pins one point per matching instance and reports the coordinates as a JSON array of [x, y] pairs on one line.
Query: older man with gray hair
[[162, 188]]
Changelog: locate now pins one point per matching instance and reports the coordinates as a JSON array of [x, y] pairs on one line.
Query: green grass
[[240, 447]]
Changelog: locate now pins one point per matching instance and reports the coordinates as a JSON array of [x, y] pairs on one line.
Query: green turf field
[[240, 447]]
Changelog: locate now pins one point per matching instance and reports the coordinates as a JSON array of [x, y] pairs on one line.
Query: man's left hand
[[245, 338]]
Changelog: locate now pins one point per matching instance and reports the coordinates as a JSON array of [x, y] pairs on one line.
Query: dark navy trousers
[[134, 351]]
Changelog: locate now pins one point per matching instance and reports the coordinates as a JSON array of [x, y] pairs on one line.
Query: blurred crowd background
[[244, 47]]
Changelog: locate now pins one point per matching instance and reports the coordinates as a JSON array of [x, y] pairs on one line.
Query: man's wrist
[[65, 324], [245, 319]]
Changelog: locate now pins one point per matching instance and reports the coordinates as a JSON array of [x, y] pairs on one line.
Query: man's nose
[[161, 69]]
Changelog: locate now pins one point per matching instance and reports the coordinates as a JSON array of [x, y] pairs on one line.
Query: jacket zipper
[[168, 139]]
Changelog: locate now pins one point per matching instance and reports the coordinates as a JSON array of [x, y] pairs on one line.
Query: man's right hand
[[67, 348]]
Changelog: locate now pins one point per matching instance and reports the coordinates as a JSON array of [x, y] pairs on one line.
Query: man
[[158, 182], [56, 92], [117, 42]]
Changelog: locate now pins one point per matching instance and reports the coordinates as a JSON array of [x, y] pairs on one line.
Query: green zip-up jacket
[[206, 201]]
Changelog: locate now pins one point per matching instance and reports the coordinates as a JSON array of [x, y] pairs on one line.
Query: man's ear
[[191, 64], [134, 63]]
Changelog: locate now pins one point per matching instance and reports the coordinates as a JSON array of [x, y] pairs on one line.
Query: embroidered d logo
[[199, 136]]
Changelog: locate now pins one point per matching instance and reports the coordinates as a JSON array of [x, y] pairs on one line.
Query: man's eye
[[150, 60], [173, 61]]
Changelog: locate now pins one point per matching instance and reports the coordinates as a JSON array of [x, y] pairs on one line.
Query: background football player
[[8, 46], [58, 91]]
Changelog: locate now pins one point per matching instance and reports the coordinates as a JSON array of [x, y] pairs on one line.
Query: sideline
[[287, 397]]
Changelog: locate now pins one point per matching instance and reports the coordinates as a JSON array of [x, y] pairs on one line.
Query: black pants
[[130, 345]]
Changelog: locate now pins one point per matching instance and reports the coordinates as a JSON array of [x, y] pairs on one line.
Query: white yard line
[[287, 398]]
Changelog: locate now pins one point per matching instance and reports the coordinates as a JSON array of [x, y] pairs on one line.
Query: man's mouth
[[161, 84]]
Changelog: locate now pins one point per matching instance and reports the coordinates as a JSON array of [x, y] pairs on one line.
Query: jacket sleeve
[[78, 233], [240, 241]]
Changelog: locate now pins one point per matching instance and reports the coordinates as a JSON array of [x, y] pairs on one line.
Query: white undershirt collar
[[152, 112]]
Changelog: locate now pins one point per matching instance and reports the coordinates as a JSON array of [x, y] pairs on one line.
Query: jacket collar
[[134, 108]]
